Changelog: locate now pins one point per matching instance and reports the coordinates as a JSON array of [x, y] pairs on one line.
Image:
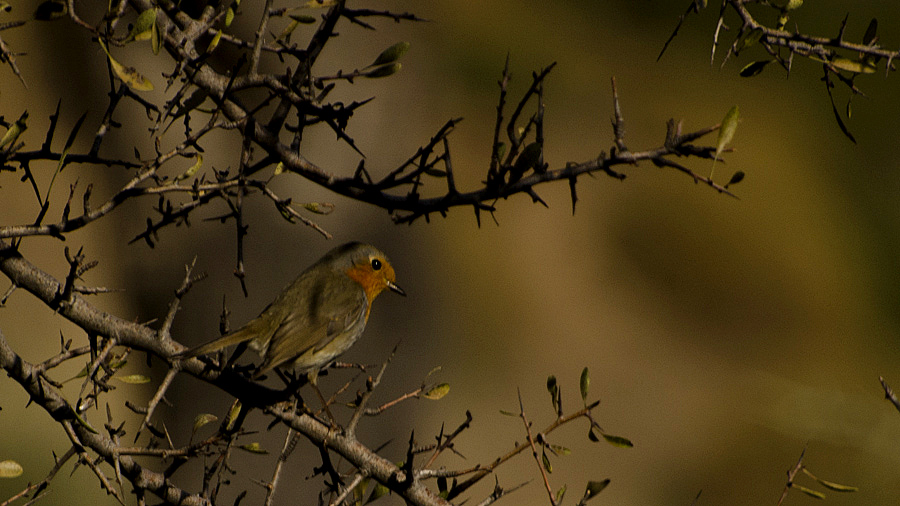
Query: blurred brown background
[[723, 336]]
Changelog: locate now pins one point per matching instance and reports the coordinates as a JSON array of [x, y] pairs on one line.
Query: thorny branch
[[267, 99], [842, 60]]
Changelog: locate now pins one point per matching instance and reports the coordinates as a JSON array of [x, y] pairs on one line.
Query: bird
[[318, 316]]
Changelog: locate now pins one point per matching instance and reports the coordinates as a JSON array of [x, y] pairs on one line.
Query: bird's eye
[[376, 264]]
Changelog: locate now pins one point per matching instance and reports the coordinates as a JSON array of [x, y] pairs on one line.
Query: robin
[[319, 316]]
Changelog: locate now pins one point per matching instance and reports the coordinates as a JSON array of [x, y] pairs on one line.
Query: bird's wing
[[326, 316]]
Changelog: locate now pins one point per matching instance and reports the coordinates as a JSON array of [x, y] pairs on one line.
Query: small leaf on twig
[[254, 448], [618, 441], [438, 391], [593, 488], [391, 54], [545, 460], [377, 492], [854, 66], [560, 450], [15, 130], [726, 133], [131, 77], [735, 179], [754, 68], [233, 415], [319, 207], [748, 39], [192, 169], [837, 487], [214, 43], [10, 469], [553, 388], [871, 33], [133, 379], [203, 419], [143, 26], [808, 491], [560, 494], [384, 70], [585, 383]]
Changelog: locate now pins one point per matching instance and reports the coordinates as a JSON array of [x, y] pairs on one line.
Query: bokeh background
[[723, 336]]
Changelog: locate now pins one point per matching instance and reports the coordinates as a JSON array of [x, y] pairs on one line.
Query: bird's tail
[[225, 341]]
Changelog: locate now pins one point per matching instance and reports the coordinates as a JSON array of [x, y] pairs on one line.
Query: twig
[[534, 453], [889, 393]]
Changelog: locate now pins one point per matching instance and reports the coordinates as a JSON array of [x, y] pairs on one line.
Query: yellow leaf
[[131, 77], [254, 448], [10, 469], [437, 391], [855, 66], [192, 169], [133, 379], [214, 42]]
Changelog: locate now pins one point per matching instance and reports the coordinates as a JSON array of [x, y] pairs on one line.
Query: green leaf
[[508, 413], [528, 158], [560, 494], [377, 492], [808, 491], [754, 68], [319, 207], [437, 391], [618, 441], [726, 133], [214, 43], [84, 423], [303, 18], [854, 66], [359, 490], [553, 388], [155, 39], [560, 450], [391, 54], [254, 448], [133, 379], [233, 414], [748, 39], [15, 130], [10, 469], [585, 383], [383, 71], [143, 26], [837, 487], [593, 488], [546, 461], [870, 37], [736, 178], [203, 419]]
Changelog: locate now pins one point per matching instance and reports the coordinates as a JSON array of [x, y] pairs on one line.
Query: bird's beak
[[394, 288]]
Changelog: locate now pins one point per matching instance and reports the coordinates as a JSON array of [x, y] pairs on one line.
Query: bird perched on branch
[[317, 317]]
